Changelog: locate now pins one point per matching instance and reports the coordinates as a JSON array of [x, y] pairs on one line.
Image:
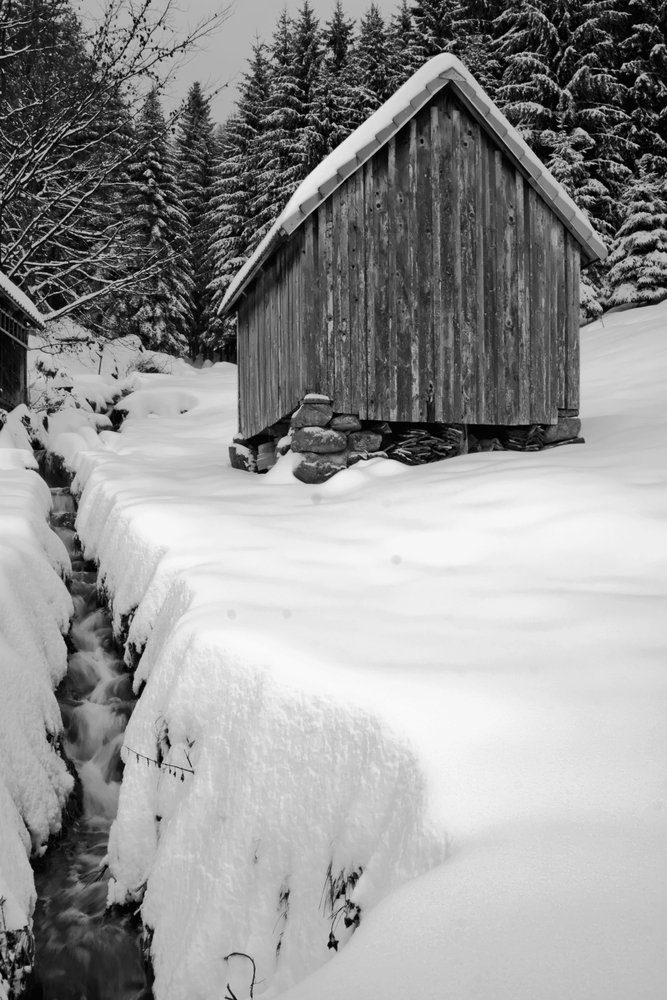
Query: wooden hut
[[17, 315], [427, 271]]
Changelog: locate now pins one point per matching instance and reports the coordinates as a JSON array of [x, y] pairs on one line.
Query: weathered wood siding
[[13, 360], [434, 285]]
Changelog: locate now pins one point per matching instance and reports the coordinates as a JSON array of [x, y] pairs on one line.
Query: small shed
[[427, 271], [17, 315]]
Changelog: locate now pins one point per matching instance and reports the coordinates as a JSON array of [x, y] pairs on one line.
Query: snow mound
[[35, 609], [69, 367]]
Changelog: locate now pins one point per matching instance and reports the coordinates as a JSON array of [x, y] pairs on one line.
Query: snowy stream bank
[[81, 949], [73, 946], [35, 609]]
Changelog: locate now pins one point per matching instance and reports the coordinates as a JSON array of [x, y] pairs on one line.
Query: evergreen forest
[[137, 222]]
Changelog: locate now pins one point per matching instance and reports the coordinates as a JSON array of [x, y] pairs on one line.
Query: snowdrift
[[69, 368], [35, 609], [427, 701]]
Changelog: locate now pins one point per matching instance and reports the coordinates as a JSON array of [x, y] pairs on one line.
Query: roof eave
[[279, 237], [14, 295]]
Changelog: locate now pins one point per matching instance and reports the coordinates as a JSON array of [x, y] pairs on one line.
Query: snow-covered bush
[[151, 363]]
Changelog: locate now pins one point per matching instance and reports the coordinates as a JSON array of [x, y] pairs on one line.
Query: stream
[[84, 952]]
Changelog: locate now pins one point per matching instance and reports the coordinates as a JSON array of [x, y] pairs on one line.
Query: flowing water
[[84, 952]]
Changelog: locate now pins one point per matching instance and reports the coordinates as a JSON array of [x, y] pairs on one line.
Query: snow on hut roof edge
[[20, 300], [440, 71]]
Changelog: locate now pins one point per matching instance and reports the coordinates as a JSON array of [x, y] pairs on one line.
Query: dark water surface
[[84, 952]]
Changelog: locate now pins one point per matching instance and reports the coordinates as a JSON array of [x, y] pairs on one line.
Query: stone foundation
[[329, 441]]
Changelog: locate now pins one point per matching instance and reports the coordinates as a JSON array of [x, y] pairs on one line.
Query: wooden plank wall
[[13, 371], [434, 284]]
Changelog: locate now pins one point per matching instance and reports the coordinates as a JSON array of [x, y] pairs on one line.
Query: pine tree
[[638, 262], [436, 26], [195, 164], [68, 100], [160, 312], [235, 191], [374, 61], [58, 184], [560, 88], [337, 38], [643, 71], [335, 111], [335, 99], [474, 44], [405, 55], [307, 41], [287, 146], [281, 150]]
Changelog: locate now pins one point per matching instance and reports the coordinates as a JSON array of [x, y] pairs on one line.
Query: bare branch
[[65, 144]]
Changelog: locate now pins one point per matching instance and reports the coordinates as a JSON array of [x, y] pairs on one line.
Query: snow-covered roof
[[20, 300], [441, 71]]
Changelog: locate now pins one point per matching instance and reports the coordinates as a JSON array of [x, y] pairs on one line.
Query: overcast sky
[[223, 57]]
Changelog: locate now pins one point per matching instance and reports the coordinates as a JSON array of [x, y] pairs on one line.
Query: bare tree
[[68, 104]]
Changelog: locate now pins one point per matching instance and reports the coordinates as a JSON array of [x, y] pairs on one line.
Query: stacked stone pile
[[328, 441]]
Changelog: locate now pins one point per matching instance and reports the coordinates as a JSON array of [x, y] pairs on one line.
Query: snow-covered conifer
[[160, 312], [337, 38], [474, 40], [307, 40], [436, 26], [560, 88], [195, 151], [285, 156], [374, 60], [235, 188], [335, 102], [643, 50], [638, 262], [406, 57], [282, 152]]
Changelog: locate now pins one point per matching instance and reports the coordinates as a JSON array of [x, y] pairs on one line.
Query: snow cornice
[[441, 71]]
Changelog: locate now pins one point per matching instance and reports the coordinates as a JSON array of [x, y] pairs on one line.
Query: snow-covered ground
[[35, 608], [69, 368], [436, 694]]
